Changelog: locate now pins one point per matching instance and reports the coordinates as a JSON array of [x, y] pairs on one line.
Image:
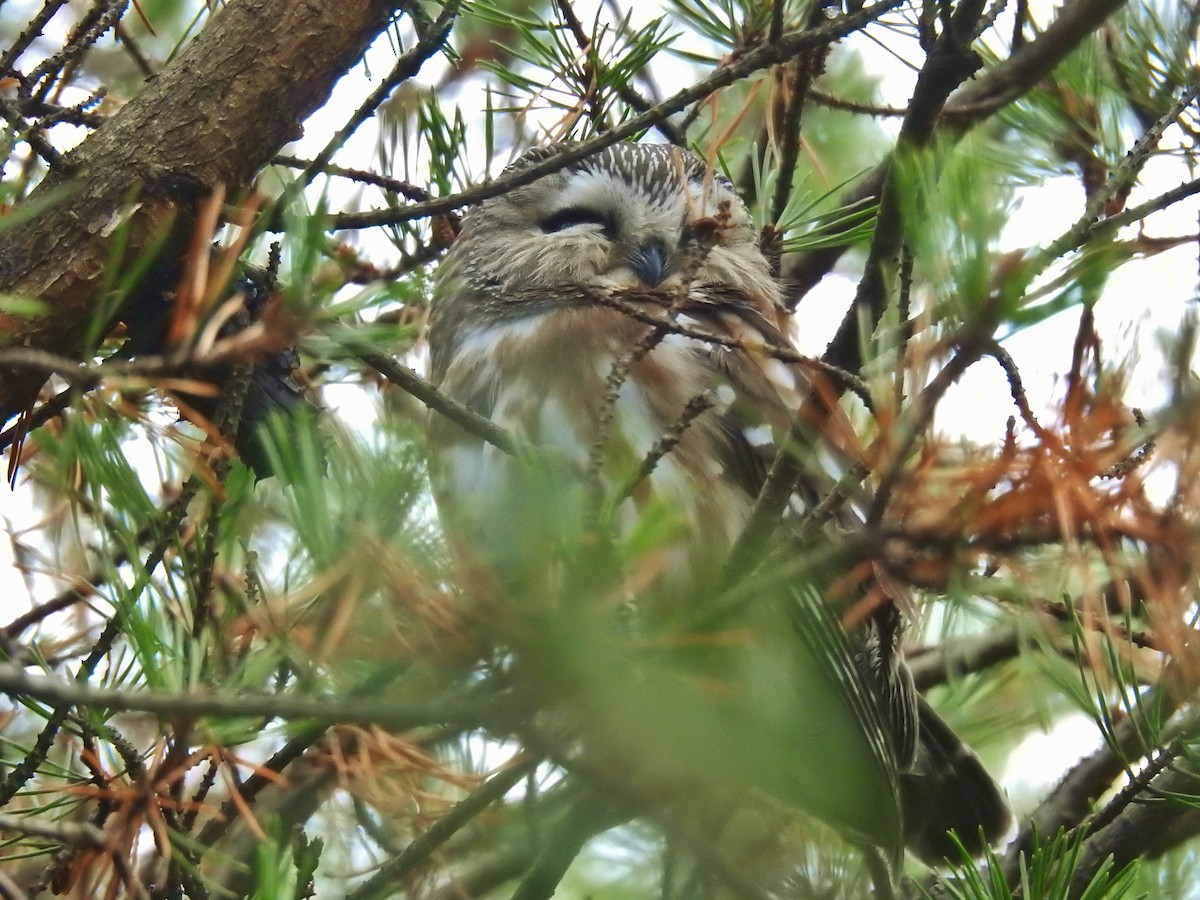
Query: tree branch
[[950, 62], [396, 714], [214, 116], [934, 666], [1030, 63], [1139, 826], [1071, 799], [988, 92], [463, 416]]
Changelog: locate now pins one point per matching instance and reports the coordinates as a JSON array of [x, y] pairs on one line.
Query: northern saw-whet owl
[[615, 315]]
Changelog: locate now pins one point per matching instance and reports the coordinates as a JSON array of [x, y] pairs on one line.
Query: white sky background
[[1143, 301]]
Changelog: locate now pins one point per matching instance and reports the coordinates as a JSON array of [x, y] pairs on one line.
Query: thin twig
[[262, 777], [625, 301], [618, 374], [625, 90], [30, 134], [422, 847], [396, 714], [408, 65], [870, 109], [874, 542], [84, 376], [772, 499], [404, 377], [395, 185], [918, 417], [1016, 388], [134, 52], [1064, 613], [31, 33], [75, 834], [1142, 210], [799, 75], [51, 409], [832, 501], [207, 780], [1127, 464], [1121, 178], [51, 113], [695, 407], [90, 28], [65, 600]]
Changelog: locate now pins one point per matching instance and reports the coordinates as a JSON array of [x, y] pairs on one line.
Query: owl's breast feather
[[548, 380]]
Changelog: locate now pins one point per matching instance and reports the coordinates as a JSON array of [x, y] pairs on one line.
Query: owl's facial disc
[[633, 216], [634, 227], [648, 259]]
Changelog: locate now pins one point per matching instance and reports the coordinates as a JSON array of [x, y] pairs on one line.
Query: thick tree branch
[[1032, 62], [1070, 801], [951, 61], [214, 116], [933, 666]]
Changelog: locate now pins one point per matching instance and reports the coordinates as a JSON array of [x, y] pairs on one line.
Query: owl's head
[[630, 216]]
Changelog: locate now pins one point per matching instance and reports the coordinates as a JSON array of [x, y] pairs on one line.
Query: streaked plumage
[[543, 310], [520, 346]]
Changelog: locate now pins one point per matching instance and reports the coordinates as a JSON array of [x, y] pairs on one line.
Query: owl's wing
[[837, 727], [943, 785], [771, 398]]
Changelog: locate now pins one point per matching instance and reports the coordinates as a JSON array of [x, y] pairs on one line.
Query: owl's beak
[[649, 263]]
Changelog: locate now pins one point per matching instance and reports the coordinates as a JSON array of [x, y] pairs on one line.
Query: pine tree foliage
[[238, 656]]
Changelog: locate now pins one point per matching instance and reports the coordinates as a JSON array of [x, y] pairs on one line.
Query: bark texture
[[214, 116]]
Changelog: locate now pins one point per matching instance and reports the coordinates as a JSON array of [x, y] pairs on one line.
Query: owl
[[619, 318]]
